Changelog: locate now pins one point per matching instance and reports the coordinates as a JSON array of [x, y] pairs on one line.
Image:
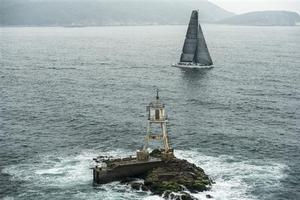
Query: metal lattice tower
[[157, 117]]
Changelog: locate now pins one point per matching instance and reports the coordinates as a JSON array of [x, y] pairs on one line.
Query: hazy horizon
[[235, 6], [240, 7]]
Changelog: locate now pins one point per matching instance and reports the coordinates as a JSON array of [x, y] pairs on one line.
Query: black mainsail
[[195, 50]]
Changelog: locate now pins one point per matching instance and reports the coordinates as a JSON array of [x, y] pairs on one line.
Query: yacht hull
[[192, 66]]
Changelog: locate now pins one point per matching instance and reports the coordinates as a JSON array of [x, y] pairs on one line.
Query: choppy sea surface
[[70, 94]]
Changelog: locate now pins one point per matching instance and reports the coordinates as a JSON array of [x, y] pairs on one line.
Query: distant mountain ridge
[[264, 18], [105, 12]]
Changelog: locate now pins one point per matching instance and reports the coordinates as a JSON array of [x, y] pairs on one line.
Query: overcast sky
[[242, 6], [237, 6]]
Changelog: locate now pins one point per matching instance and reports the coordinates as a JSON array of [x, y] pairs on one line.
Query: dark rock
[[209, 196], [136, 185], [175, 176], [181, 195], [144, 188], [166, 194], [128, 180], [155, 153], [187, 196]]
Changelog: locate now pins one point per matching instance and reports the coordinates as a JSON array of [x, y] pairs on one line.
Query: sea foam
[[234, 178]]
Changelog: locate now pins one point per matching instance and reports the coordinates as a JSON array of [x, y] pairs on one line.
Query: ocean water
[[70, 94]]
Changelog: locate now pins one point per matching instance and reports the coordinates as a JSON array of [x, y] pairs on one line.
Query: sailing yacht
[[195, 53]]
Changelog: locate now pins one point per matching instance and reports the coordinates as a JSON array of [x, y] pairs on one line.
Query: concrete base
[[133, 168]]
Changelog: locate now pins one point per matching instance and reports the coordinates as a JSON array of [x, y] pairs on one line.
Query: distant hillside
[[264, 18], [105, 12]]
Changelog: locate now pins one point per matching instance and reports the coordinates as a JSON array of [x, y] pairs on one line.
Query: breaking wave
[[234, 179]]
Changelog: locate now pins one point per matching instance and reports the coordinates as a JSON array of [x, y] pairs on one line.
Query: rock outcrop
[[176, 177]]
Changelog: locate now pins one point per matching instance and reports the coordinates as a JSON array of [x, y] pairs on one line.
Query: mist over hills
[[264, 18], [105, 12], [130, 12]]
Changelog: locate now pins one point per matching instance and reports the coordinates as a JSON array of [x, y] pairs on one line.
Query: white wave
[[116, 191], [52, 170], [74, 170], [8, 198], [234, 179], [58, 170]]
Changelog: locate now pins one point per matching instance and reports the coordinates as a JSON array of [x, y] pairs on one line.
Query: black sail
[[190, 43], [202, 55], [195, 49]]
